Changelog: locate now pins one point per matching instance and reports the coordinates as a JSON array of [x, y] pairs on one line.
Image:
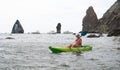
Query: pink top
[[78, 42]]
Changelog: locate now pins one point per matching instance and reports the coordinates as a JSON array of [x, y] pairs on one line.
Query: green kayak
[[66, 49]]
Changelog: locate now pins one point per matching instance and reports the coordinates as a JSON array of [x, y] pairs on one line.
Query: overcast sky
[[44, 15]]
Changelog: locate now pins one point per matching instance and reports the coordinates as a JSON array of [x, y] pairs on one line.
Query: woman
[[77, 43]]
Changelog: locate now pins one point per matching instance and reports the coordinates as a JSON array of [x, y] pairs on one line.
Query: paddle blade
[[83, 33]]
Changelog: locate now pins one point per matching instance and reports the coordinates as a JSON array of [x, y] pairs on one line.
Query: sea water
[[30, 52]]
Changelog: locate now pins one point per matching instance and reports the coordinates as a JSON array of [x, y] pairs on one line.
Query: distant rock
[[51, 32], [92, 36], [118, 48], [17, 28], [90, 21], [37, 32], [9, 38], [58, 27], [67, 32]]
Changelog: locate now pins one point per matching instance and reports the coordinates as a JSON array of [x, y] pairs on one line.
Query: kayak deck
[[66, 49]]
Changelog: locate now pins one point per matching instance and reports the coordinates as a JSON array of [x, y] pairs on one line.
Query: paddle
[[83, 33]]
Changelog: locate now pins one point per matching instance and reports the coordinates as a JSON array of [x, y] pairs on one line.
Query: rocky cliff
[[111, 18], [109, 23], [17, 28]]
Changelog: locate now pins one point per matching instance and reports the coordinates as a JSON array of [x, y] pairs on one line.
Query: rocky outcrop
[[90, 21], [109, 23], [37, 32], [9, 38], [93, 36], [17, 28], [58, 27], [114, 33]]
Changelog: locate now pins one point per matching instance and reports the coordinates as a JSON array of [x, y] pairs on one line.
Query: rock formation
[[90, 20], [58, 27], [115, 32], [17, 28], [109, 23], [93, 36], [111, 19]]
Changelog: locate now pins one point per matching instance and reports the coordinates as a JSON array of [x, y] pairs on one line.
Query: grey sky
[[43, 15]]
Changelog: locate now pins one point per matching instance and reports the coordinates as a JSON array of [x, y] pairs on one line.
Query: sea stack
[[90, 20], [17, 28], [58, 27]]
